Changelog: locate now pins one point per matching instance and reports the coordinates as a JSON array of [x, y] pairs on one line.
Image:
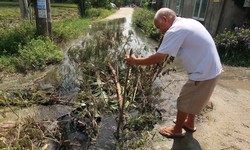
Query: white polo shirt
[[189, 40]]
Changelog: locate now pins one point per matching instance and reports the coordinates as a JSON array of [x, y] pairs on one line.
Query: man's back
[[191, 42]]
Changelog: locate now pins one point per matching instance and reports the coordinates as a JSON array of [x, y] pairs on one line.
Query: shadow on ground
[[186, 143]]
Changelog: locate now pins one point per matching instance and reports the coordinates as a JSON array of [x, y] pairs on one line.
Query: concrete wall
[[232, 15]]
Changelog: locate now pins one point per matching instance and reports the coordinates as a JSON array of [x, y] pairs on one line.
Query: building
[[215, 15]]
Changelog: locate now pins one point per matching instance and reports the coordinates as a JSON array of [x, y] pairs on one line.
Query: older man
[[188, 40]]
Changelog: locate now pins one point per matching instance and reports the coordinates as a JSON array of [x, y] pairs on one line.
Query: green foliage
[[61, 5], [146, 4], [83, 5], [97, 13], [11, 38], [234, 46], [9, 4], [100, 4], [69, 29], [37, 54], [6, 63], [143, 19]]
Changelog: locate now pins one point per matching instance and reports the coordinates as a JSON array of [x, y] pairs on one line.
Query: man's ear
[[165, 18]]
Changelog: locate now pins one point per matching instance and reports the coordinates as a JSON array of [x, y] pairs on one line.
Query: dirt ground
[[225, 122]]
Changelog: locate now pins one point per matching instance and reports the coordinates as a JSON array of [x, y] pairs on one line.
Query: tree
[[98, 3], [24, 9], [43, 17], [83, 5]]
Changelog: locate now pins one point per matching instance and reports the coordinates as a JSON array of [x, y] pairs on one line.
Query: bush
[[234, 46], [143, 18], [37, 54], [10, 39]]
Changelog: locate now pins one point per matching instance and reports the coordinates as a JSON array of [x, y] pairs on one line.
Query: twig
[[119, 95], [10, 107], [136, 87], [117, 83]]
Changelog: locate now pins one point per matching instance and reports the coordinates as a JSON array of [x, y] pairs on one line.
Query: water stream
[[67, 79]]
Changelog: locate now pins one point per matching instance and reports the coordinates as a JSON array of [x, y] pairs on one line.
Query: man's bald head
[[168, 13]]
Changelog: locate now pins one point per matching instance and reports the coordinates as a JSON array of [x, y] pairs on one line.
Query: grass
[[63, 5], [9, 4]]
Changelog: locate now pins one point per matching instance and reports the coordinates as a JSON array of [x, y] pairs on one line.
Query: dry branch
[[117, 83]]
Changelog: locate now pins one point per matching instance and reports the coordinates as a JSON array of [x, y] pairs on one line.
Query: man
[[191, 42]]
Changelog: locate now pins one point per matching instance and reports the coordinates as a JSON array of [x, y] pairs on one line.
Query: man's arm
[[148, 60]]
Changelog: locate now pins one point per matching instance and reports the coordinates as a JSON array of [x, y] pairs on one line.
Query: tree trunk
[[24, 9], [43, 17], [49, 16]]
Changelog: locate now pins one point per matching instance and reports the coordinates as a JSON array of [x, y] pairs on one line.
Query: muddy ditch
[[94, 100]]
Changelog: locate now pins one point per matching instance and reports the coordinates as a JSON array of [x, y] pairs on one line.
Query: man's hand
[[131, 59]]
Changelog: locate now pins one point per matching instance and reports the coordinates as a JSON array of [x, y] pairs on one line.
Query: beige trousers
[[195, 95]]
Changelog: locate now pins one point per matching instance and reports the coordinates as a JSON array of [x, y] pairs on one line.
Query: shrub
[[143, 18], [234, 46], [6, 64], [37, 54], [10, 39]]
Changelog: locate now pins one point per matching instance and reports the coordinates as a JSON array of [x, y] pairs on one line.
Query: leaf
[[126, 104], [115, 107]]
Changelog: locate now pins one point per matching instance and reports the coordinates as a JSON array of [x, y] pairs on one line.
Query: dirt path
[[121, 13], [225, 123]]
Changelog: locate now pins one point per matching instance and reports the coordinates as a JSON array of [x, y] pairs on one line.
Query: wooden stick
[[117, 83], [119, 96]]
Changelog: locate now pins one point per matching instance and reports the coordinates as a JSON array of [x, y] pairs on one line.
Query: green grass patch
[[9, 12], [69, 29], [9, 4], [99, 13], [63, 5]]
